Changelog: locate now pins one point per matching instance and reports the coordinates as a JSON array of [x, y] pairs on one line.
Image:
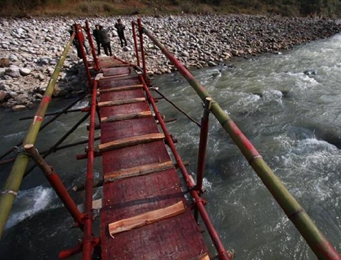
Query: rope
[[179, 109]]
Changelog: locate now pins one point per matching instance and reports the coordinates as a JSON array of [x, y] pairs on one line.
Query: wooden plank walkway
[[140, 181]]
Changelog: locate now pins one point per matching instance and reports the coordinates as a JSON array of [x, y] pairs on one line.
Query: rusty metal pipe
[[223, 254]]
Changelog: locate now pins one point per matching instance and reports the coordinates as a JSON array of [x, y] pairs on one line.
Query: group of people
[[102, 38]]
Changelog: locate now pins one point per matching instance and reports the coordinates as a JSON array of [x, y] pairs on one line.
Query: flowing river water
[[287, 104]]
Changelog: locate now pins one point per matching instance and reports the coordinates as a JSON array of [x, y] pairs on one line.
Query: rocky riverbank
[[30, 48]]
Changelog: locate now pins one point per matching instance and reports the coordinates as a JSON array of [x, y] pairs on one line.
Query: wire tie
[[9, 192], [226, 121], [19, 149], [295, 214]]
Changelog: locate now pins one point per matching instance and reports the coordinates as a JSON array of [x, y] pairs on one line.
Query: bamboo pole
[[13, 182], [304, 224]]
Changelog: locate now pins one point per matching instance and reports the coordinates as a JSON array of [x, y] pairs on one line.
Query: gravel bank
[[29, 48]]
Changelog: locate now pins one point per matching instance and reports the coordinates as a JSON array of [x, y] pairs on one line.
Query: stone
[[24, 71], [18, 107], [12, 71], [13, 58], [3, 95]]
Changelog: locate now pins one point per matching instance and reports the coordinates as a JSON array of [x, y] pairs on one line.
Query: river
[[287, 104]]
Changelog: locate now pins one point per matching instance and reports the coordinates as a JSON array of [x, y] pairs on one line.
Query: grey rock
[[12, 71], [25, 71]]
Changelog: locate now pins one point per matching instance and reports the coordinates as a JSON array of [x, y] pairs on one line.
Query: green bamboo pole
[[313, 236], [13, 182]]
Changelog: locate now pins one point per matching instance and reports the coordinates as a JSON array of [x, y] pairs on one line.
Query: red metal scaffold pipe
[[222, 253], [91, 42], [88, 240]]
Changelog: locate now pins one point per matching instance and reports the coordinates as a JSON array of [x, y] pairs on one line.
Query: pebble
[[30, 48]]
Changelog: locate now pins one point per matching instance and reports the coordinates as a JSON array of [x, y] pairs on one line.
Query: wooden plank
[[146, 218], [96, 205], [121, 102], [122, 88], [121, 117], [130, 141], [204, 257], [138, 171]]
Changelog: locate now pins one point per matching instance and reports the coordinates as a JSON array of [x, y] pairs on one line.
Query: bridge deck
[[135, 147]]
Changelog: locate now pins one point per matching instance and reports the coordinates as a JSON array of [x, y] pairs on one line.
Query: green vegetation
[[312, 8]]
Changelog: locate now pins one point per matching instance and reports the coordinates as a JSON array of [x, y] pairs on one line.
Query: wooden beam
[[146, 218], [121, 117], [138, 171], [130, 141], [121, 88], [121, 102], [96, 205], [131, 76]]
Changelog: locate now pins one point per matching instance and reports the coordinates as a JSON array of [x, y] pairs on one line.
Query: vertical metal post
[[202, 149], [203, 144], [142, 49], [223, 254], [91, 42], [56, 183], [135, 44], [80, 38], [88, 238]]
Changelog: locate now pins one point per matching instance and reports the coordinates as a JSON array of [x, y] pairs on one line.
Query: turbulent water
[[288, 105]]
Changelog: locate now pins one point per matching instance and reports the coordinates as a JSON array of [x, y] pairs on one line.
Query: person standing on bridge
[[104, 39], [95, 33], [120, 31]]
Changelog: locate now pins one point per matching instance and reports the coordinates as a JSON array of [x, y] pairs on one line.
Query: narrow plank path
[[144, 212]]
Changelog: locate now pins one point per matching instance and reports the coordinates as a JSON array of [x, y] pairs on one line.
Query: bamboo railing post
[[56, 183], [15, 177], [313, 236]]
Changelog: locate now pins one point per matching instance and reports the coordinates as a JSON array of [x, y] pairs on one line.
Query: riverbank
[[30, 48]]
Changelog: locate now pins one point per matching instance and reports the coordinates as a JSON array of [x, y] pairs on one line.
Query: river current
[[286, 104]]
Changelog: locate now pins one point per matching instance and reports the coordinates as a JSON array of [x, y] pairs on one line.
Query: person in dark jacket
[[120, 31], [104, 39], [95, 33]]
